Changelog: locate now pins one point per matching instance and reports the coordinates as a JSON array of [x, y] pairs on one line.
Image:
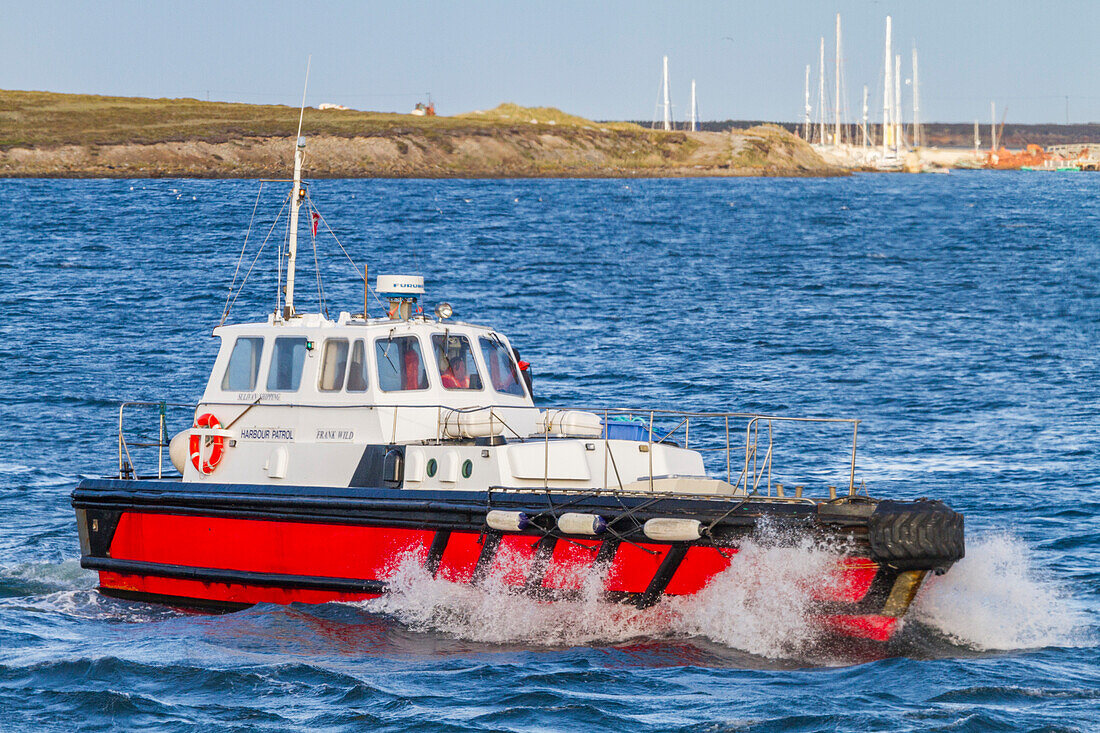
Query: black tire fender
[[916, 535]]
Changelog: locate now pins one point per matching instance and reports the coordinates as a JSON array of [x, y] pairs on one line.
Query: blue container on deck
[[627, 428]]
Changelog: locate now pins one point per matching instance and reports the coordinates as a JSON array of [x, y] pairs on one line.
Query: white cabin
[[405, 400]]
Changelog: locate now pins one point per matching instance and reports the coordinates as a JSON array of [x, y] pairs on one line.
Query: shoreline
[[507, 153], [458, 176]]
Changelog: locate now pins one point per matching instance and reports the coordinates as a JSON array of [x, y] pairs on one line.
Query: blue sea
[[957, 316]]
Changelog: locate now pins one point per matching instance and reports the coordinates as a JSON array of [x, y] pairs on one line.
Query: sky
[[601, 60]]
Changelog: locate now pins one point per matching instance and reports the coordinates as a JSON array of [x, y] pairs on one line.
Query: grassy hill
[[31, 119], [48, 134]]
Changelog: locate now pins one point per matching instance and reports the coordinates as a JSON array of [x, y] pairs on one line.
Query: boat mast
[[668, 107], [898, 144], [694, 121], [916, 102], [866, 141], [806, 109], [296, 196], [821, 94], [836, 99], [887, 126], [992, 126]]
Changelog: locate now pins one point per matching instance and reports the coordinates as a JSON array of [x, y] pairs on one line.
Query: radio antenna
[[296, 196], [302, 109]]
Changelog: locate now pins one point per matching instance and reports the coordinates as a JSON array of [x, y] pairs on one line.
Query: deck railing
[[749, 469], [126, 466], [755, 476]]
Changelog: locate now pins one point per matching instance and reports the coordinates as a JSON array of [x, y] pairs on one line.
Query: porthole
[[432, 466], [467, 468]]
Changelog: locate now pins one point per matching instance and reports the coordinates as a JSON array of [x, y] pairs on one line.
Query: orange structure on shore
[[1005, 159], [1033, 156]]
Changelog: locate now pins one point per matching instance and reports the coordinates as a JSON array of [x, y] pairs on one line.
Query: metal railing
[[126, 465], [756, 475], [714, 437]]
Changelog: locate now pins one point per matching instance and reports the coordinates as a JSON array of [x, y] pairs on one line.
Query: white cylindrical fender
[[503, 521], [475, 424], [577, 523], [673, 530], [572, 423], [178, 449]]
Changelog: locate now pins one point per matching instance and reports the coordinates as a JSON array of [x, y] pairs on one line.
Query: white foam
[[66, 574], [91, 605], [995, 599], [495, 612], [761, 604]]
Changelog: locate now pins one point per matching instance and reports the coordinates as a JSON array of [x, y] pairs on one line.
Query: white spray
[[761, 604], [995, 599]]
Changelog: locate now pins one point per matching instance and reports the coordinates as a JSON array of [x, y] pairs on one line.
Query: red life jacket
[[412, 370]]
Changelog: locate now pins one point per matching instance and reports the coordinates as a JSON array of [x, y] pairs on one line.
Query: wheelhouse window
[[502, 370], [244, 365], [357, 374], [287, 359], [400, 364], [334, 363], [455, 359]]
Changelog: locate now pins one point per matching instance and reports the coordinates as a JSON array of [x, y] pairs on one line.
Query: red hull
[[265, 557]]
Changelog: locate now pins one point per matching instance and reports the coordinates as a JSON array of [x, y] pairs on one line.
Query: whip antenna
[[295, 202], [302, 109]]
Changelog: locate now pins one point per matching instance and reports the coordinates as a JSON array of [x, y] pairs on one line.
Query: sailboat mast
[[836, 98], [806, 108], [296, 196], [668, 106], [993, 126], [821, 94], [887, 92], [898, 144], [866, 142], [916, 102], [694, 121]]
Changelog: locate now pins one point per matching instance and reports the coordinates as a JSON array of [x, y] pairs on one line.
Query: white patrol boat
[[325, 453]]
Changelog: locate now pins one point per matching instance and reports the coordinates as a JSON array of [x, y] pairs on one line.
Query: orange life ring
[[216, 443]]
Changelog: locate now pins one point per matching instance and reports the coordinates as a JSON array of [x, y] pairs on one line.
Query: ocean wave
[[92, 606], [23, 475], [118, 690], [36, 578]]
